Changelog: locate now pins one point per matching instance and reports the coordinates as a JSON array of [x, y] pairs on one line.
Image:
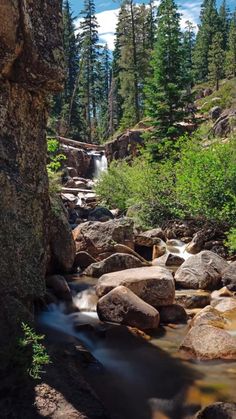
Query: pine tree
[[230, 67], [224, 23], [216, 60], [103, 88], [88, 41], [188, 46], [208, 27], [164, 88]]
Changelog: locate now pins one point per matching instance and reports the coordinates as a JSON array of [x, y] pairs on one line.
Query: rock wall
[[125, 145], [31, 58]]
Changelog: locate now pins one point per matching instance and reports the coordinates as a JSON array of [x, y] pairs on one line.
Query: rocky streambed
[[159, 321]]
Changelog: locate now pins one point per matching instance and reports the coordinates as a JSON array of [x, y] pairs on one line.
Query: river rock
[[122, 306], [192, 298], [208, 342], [99, 238], [159, 249], [168, 259], [223, 292], [121, 248], [83, 260], [114, 263], [59, 286], [154, 284], [219, 410], [229, 277], [100, 214], [209, 316], [203, 271], [173, 313], [150, 237], [225, 304]]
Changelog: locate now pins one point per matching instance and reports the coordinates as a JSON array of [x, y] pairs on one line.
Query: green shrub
[[206, 181], [231, 240], [30, 355], [55, 158]]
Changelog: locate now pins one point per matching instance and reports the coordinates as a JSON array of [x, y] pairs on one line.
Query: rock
[[207, 92], [121, 248], [86, 300], [100, 214], [225, 304], [124, 307], [229, 277], [175, 229], [168, 259], [83, 260], [172, 314], [125, 145], [155, 285], [223, 292], [59, 286], [31, 62], [211, 317], [203, 271], [97, 238], [215, 112], [70, 183], [62, 246], [150, 237], [206, 238], [208, 342], [114, 263], [192, 298], [225, 124], [78, 159], [72, 172], [219, 410], [159, 249]]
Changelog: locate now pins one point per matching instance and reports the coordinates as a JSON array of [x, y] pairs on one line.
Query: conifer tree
[[224, 20], [88, 42], [216, 60], [208, 27], [188, 46], [164, 88], [230, 62]]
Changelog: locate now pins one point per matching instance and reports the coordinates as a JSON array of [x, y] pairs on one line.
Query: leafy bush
[[231, 240], [30, 354], [196, 181], [55, 158], [206, 181]]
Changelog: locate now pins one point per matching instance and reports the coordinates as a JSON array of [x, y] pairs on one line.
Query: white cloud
[[107, 21]]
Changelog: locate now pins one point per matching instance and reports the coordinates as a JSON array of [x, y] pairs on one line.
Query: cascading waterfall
[[100, 164]]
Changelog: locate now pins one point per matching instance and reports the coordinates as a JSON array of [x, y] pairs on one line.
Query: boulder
[[99, 238], [219, 410], [206, 238], [225, 304], [225, 124], [215, 112], [59, 287], [211, 317], [159, 249], [150, 237], [78, 159], [122, 306], [173, 313], [192, 298], [62, 246], [169, 259], [121, 248], [83, 260], [114, 263], [154, 284], [223, 292], [125, 145], [229, 277], [100, 214], [207, 342], [201, 271]]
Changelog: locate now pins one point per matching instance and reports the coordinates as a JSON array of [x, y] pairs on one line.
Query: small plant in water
[[30, 343]]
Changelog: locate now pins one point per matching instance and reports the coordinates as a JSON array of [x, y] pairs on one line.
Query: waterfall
[[100, 164]]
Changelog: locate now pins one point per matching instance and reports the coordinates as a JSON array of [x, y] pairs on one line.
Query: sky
[[107, 13]]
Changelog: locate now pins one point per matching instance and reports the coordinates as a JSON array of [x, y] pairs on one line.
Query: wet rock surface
[[192, 298], [114, 263], [219, 410]]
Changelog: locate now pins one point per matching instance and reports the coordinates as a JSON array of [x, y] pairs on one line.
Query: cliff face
[[31, 59]]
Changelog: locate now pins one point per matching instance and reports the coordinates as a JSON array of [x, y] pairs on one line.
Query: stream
[[137, 377]]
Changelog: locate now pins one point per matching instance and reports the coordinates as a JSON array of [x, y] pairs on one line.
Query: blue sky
[[107, 12]]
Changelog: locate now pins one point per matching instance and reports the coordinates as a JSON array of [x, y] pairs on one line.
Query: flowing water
[[138, 378], [100, 164]]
